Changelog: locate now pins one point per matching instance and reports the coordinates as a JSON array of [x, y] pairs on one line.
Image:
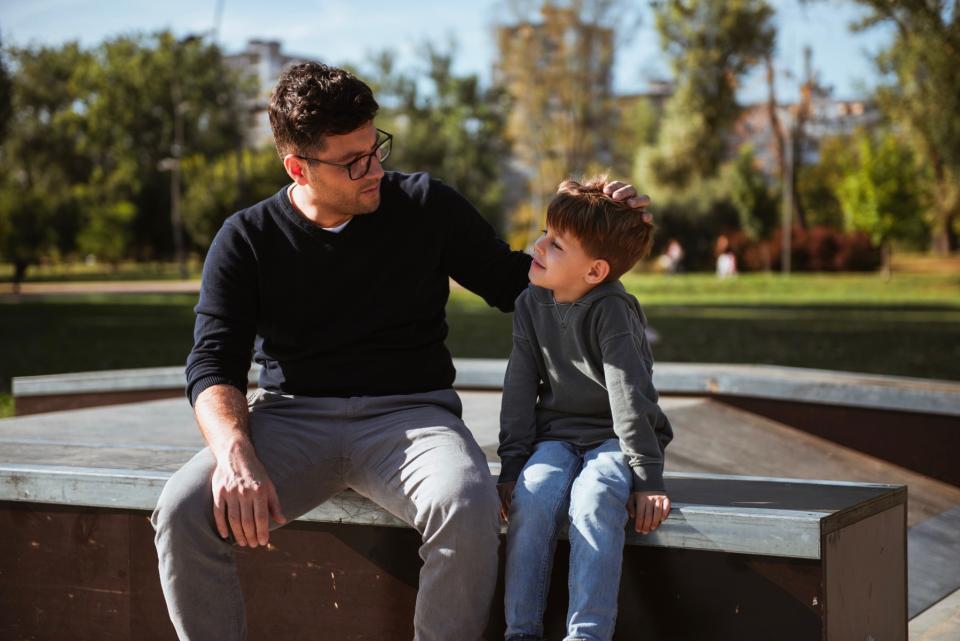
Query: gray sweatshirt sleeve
[[638, 421], [518, 420]]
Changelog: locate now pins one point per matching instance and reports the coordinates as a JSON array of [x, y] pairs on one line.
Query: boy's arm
[[518, 422], [638, 421]]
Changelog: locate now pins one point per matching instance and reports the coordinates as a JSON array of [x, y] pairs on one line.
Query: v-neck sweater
[[354, 313]]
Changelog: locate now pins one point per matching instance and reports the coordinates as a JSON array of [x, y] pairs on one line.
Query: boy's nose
[[537, 247]]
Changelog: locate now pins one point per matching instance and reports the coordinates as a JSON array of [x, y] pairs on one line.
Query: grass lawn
[[909, 326]]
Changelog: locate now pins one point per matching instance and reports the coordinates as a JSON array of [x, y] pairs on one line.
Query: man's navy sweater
[[355, 313]]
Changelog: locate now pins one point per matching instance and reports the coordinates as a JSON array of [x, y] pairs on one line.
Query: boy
[[581, 431]]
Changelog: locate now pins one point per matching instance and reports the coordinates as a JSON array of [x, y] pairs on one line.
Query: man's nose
[[376, 168]]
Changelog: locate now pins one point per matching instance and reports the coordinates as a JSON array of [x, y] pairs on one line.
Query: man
[[339, 282]]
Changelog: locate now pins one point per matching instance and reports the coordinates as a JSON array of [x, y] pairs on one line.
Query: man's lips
[[371, 188]]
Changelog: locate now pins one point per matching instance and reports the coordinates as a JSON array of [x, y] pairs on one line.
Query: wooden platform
[[711, 437]]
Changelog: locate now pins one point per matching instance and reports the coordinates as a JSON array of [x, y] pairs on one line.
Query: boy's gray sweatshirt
[[582, 373]]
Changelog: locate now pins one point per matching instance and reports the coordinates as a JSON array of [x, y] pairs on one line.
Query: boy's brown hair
[[607, 229]]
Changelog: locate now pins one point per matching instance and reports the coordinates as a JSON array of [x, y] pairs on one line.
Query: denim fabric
[[590, 489]]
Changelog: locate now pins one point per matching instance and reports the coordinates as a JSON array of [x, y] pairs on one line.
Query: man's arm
[[244, 497], [482, 262]]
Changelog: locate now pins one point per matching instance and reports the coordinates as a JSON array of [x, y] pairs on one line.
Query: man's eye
[[554, 243]]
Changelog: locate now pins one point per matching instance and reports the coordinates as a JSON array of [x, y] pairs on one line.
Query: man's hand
[[622, 191], [648, 509], [505, 490], [244, 497]]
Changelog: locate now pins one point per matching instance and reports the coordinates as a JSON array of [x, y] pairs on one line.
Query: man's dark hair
[[312, 100]]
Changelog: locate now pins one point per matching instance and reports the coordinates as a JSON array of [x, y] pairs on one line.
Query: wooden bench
[[861, 411], [739, 558]]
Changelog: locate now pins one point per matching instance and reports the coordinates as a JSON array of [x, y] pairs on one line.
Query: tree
[[750, 195], [818, 184], [41, 157], [711, 44], [556, 61], [217, 188], [882, 193], [923, 66], [88, 133], [6, 94], [136, 85], [454, 128]]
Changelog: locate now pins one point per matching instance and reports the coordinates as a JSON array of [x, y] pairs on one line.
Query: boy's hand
[[622, 191], [505, 490], [649, 509]]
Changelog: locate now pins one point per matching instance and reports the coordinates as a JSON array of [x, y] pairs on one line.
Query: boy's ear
[[598, 272]]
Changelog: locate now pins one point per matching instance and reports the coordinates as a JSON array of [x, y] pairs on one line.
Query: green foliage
[[106, 234], [88, 132], [751, 197], [638, 125], [447, 125], [711, 45], [818, 184], [217, 188], [6, 91], [923, 68], [882, 194]]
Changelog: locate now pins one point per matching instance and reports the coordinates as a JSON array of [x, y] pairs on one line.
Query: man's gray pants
[[410, 454]]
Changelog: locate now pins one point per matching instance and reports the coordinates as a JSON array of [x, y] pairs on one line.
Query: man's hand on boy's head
[[622, 191], [505, 490], [648, 510]]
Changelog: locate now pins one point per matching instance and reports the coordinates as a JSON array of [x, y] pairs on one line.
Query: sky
[[341, 31]]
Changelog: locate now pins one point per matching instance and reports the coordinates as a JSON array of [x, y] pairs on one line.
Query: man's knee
[[464, 502], [185, 506]]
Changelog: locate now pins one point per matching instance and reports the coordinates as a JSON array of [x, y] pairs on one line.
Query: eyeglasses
[[360, 166]]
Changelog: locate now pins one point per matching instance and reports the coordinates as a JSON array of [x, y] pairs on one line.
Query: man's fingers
[[247, 520], [611, 188], [631, 510], [219, 517], [666, 508], [233, 517], [261, 521], [639, 202], [273, 504]]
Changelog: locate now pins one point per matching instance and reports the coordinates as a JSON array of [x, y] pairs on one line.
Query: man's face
[[560, 264], [333, 189]]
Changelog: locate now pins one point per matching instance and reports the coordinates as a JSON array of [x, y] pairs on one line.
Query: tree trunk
[[943, 238], [19, 274]]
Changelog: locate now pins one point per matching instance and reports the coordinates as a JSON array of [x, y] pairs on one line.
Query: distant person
[[581, 433], [672, 259], [726, 259], [337, 283]]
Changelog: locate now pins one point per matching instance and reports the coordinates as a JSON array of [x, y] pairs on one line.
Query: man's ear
[[296, 168], [598, 272]]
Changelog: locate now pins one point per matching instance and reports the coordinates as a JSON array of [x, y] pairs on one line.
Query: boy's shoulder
[[532, 299], [614, 309]]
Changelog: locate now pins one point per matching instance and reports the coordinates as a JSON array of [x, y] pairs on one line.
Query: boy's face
[[561, 264]]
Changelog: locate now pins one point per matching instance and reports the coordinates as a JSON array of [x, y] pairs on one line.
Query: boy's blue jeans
[[592, 488]]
